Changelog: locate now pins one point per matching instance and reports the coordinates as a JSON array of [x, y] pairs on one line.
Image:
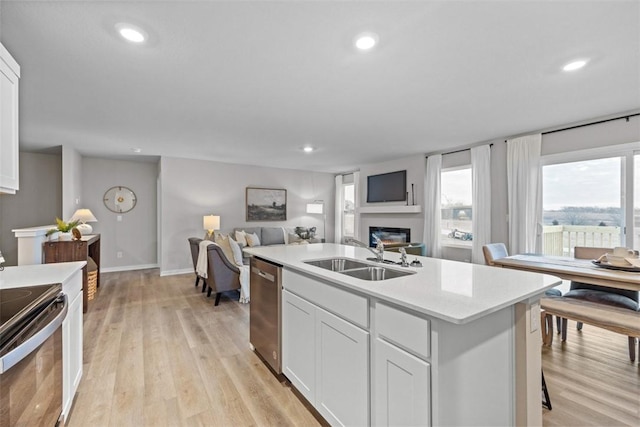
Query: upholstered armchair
[[222, 275], [194, 245]]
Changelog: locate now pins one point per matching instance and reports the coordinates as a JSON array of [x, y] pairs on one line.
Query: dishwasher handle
[[266, 276]]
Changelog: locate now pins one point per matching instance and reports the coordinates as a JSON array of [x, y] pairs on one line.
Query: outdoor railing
[[561, 239]]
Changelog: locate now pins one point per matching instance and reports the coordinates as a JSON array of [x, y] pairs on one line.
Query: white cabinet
[[402, 390], [401, 372], [298, 344], [342, 371], [326, 358], [72, 341], [9, 77]]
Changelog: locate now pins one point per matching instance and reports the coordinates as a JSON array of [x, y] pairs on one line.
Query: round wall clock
[[119, 199]]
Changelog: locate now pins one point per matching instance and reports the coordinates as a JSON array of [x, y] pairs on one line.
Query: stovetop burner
[[17, 302]]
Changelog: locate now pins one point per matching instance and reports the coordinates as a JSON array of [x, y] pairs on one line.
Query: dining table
[[579, 270]]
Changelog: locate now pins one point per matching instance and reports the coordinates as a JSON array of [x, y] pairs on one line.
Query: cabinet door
[[72, 341], [8, 124], [298, 345], [401, 387], [342, 376]]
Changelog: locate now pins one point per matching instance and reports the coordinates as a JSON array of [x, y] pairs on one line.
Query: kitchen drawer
[[345, 304], [408, 331]]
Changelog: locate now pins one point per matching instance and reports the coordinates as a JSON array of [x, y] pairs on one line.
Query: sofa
[[274, 235]]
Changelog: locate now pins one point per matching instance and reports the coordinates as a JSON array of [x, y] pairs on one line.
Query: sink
[[338, 264], [376, 273], [358, 269]]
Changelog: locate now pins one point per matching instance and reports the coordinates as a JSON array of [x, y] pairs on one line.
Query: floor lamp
[[317, 208]]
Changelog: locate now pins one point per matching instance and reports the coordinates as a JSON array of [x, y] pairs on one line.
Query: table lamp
[[84, 216], [317, 208], [211, 223]]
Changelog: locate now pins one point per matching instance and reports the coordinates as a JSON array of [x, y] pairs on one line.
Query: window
[[456, 208], [583, 204], [349, 210]]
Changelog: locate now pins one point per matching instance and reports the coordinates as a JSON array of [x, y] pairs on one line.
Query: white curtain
[[356, 217], [524, 191], [481, 200], [432, 211], [337, 229]]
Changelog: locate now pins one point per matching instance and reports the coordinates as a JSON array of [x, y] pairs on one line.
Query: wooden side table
[[75, 250]]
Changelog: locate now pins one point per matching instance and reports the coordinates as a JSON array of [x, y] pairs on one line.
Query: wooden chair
[[494, 251], [622, 298], [194, 244], [222, 275]]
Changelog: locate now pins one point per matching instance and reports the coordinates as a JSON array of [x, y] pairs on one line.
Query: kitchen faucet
[[378, 251]]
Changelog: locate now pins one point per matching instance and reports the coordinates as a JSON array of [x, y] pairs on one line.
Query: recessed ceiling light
[[137, 150], [131, 33], [366, 41], [308, 149], [575, 65]]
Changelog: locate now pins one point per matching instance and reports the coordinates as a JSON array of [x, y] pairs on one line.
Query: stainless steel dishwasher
[[265, 313]]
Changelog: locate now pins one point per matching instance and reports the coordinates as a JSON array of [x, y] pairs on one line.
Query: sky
[[586, 183]]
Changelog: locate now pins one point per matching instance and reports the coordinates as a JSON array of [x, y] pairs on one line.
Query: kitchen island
[[69, 274], [449, 344]]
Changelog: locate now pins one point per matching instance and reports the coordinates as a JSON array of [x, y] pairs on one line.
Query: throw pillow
[[253, 240], [241, 238], [237, 252], [272, 236], [223, 242]]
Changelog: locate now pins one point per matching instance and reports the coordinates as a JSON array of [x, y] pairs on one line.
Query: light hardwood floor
[[157, 352]]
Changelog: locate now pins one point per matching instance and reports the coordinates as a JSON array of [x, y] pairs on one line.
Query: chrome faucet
[[378, 251], [1, 261], [403, 258]]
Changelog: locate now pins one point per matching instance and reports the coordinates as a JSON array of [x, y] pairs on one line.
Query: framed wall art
[[266, 204]]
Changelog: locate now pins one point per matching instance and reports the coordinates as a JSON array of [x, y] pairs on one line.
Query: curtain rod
[[460, 150], [594, 123]]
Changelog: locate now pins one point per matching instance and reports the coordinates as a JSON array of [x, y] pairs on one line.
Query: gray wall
[[193, 188], [38, 202], [136, 234], [415, 167]]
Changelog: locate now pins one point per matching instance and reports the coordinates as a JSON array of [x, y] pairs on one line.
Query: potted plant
[[64, 229]]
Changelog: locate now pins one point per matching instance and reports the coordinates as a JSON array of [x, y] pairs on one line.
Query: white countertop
[[38, 274], [449, 290]]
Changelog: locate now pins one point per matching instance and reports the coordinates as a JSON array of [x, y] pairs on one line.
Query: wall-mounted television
[[387, 187]]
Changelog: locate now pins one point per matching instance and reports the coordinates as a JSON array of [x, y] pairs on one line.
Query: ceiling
[[254, 82]]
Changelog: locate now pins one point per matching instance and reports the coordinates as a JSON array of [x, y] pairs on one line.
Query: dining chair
[[623, 298], [194, 244], [494, 251]]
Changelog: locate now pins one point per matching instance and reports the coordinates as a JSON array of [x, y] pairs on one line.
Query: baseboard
[[127, 268], [176, 272]]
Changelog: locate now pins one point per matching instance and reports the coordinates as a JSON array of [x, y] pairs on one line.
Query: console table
[[75, 250]]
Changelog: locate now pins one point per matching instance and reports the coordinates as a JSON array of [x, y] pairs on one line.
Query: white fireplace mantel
[[412, 209]]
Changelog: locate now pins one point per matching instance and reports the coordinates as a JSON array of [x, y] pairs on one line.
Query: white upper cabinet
[[9, 77]]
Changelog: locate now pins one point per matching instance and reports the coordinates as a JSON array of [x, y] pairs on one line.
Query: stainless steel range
[[31, 355]]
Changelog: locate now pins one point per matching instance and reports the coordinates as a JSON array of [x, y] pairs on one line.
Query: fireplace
[[389, 235]]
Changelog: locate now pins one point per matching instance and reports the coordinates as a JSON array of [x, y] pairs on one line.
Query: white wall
[[136, 234], [71, 181], [415, 167], [193, 188]]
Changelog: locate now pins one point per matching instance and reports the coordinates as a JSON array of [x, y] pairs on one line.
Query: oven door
[[31, 372]]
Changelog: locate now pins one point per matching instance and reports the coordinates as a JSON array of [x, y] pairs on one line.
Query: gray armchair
[[222, 275], [194, 245]]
